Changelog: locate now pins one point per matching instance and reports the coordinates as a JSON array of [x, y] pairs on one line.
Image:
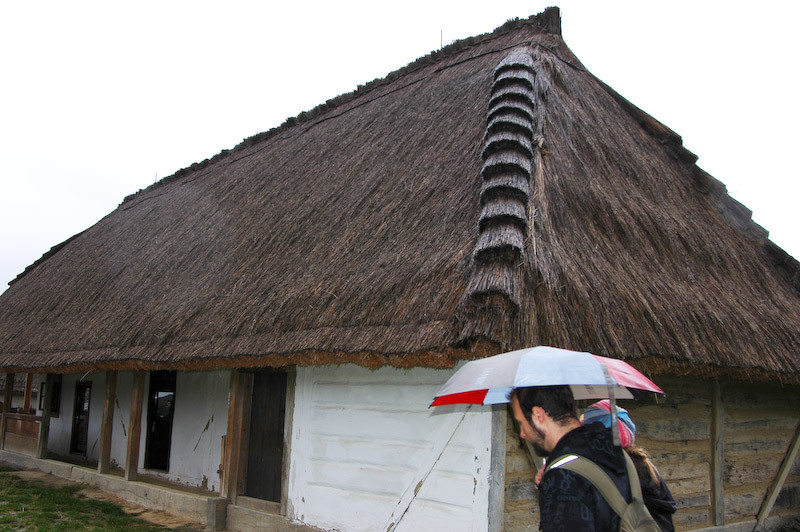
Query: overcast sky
[[100, 99]]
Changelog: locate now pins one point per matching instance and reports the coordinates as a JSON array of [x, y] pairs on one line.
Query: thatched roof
[[489, 196]]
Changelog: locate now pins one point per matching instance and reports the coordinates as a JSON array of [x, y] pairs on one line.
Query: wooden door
[[265, 445], [80, 418]]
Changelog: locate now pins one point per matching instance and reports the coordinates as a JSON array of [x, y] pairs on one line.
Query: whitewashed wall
[[200, 422], [61, 426], [366, 452]]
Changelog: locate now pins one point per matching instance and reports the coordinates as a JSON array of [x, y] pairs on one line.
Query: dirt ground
[[151, 516]]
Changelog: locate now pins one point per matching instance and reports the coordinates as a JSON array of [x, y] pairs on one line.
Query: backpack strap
[[594, 474], [633, 478], [633, 515]]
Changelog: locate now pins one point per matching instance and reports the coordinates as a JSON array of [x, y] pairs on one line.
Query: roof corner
[[549, 20]]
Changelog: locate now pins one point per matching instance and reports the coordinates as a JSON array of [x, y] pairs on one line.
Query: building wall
[[367, 451], [759, 423], [199, 423], [60, 435], [201, 420]]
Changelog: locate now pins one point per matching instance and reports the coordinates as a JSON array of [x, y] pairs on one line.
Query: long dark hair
[[642, 456]]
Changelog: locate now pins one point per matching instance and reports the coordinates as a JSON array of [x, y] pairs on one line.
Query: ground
[[151, 516]]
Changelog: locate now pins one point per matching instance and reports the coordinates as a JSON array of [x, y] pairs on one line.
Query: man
[[567, 501]]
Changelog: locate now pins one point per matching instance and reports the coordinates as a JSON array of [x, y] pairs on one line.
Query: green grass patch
[[33, 506]]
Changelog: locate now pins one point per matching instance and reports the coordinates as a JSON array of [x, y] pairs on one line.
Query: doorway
[[265, 444], [160, 410], [80, 418]]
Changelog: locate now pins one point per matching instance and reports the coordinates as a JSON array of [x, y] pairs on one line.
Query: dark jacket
[[657, 497], [568, 502]]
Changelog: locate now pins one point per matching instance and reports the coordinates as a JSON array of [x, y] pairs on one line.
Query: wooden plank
[[287, 438], [8, 396], [107, 423], [497, 473], [243, 428], [718, 453], [227, 451], [26, 404], [135, 426], [266, 436], [238, 413], [44, 428], [775, 489]]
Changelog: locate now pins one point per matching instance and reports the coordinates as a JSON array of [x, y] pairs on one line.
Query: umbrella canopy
[[489, 380]]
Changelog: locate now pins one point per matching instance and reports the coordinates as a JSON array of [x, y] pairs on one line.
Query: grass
[[34, 506]]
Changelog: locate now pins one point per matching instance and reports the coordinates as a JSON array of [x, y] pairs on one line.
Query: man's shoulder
[[593, 442]]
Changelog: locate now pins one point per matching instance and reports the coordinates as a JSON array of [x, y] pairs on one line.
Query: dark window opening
[[80, 417], [160, 411]]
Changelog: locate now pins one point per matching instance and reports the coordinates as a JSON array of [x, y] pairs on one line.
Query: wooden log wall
[[759, 423], [521, 504]]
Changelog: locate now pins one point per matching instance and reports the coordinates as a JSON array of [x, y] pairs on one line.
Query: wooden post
[[235, 439], [497, 470], [107, 423], [783, 472], [8, 396], [135, 426], [26, 404], [44, 424], [718, 453]]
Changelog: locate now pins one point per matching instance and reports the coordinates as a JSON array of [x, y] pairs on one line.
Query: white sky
[[100, 99]]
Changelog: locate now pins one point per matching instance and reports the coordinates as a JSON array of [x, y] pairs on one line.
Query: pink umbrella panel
[[490, 380]]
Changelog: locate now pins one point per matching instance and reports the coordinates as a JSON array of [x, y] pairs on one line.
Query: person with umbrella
[[568, 501], [656, 494], [542, 384]]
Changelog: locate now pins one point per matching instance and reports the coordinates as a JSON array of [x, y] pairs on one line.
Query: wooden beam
[[8, 396], [135, 426], [718, 453], [107, 423], [246, 398], [237, 433], [26, 404], [497, 470], [44, 424], [777, 484], [288, 420]]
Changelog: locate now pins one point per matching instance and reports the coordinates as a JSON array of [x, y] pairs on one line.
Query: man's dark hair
[[556, 401]]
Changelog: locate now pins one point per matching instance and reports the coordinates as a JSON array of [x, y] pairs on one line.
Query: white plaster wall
[[199, 423], [61, 426], [367, 452], [122, 417]]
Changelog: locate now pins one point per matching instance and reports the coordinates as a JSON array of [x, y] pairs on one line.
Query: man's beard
[[537, 445]]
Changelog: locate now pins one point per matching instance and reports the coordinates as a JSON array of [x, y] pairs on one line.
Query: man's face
[[529, 432]]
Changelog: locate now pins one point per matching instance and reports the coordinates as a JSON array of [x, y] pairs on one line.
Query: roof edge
[[733, 211]]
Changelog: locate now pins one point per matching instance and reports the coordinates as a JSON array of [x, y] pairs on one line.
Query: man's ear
[[538, 414]]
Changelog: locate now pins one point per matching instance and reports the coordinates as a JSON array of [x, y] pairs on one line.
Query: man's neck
[[558, 431]]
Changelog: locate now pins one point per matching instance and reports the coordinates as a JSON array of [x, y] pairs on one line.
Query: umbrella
[[489, 380]]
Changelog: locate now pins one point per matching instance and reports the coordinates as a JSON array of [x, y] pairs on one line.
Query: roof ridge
[[548, 21]]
